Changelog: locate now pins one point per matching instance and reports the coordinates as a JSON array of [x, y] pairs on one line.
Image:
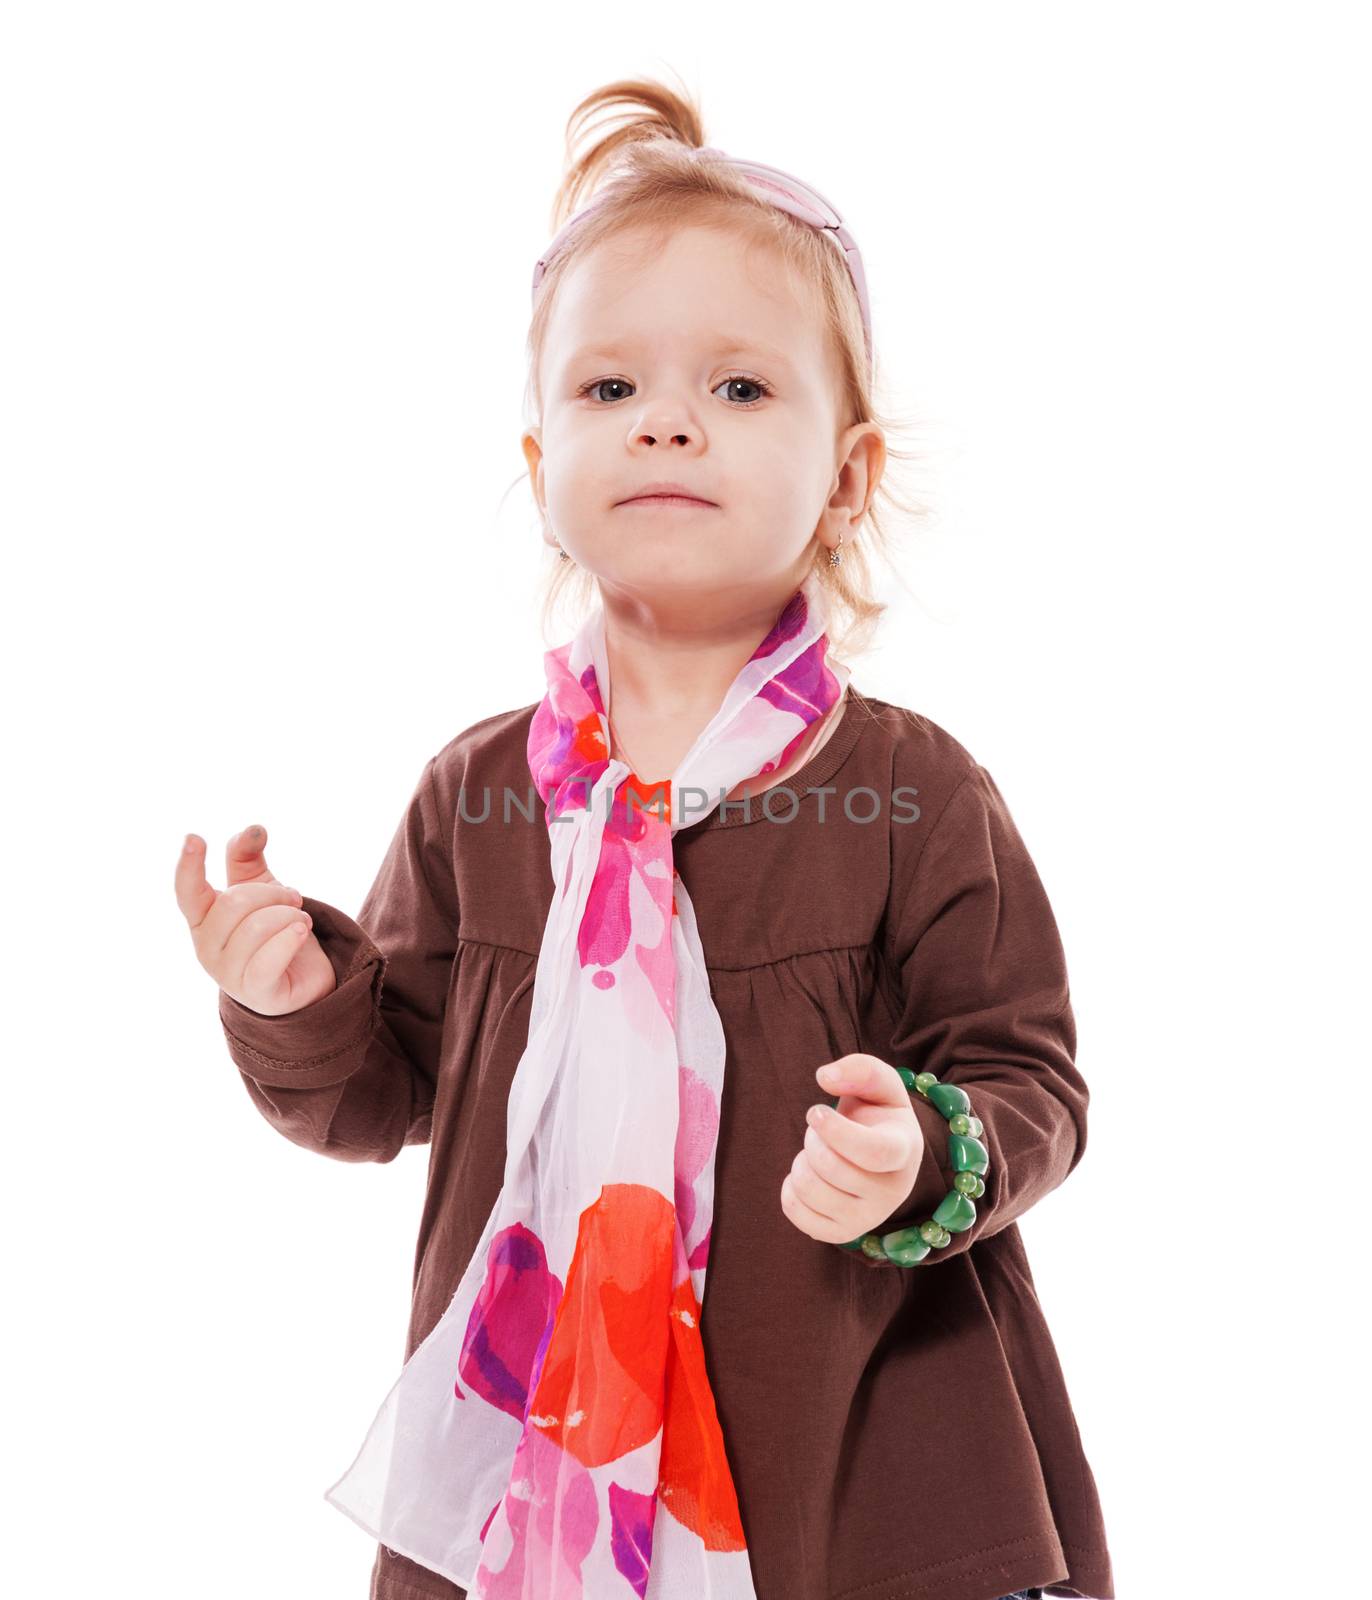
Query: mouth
[[684, 500]]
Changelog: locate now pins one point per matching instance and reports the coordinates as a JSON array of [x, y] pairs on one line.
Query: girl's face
[[691, 360]]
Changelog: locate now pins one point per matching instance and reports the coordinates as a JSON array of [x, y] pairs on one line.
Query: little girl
[[703, 971]]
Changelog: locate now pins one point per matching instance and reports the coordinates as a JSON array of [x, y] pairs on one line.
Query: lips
[[664, 493], [668, 500]]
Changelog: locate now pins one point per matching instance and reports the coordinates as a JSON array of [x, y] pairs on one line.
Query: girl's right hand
[[253, 937]]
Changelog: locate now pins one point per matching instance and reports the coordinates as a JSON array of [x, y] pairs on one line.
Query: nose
[[663, 421], [670, 438]]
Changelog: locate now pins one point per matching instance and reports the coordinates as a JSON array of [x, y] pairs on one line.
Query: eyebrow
[[725, 345]]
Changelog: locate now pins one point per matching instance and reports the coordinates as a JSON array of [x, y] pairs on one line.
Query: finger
[[865, 1077], [234, 908], [245, 859], [881, 1146], [193, 893], [837, 1170], [264, 966], [807, 1219], [818, 1193]]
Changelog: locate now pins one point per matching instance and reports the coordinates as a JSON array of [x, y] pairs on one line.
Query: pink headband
[[784, 191]]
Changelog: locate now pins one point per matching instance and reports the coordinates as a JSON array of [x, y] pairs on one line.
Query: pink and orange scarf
[[555, 1436]]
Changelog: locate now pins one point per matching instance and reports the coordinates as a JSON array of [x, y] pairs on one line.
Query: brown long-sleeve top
[[894, 1433]]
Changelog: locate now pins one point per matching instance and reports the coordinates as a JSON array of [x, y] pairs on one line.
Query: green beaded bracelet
[[969, 1160]]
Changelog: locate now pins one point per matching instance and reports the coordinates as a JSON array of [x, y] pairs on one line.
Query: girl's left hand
[[860, 1158]]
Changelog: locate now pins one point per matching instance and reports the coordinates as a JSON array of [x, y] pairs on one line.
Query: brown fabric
[[894, 1433]]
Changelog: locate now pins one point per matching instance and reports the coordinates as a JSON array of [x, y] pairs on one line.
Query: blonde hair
[[654, 181]]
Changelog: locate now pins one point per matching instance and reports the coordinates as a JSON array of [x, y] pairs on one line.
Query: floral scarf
[[555, 1436]]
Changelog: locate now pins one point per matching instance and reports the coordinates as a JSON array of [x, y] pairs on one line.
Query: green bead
[[871, 1246], [968, 1183], [955, 1211], [950, 1098], [980, 1190], [967, 1155], [960, 1123], [905, 1246], [932, 1233], [974, 1127], [924, 1081], [907, 1077], [851, 1244]]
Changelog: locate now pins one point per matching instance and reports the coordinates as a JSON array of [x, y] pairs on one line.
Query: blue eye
[[765, 389]]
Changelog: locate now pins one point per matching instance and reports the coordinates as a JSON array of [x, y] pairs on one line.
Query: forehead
[[697, 290]]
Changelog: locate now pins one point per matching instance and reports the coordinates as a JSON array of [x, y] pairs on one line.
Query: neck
[[676, 662]]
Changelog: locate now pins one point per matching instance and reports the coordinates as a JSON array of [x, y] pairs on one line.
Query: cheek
[[786, 475], [575, 478]]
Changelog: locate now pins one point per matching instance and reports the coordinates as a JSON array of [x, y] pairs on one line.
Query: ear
[[531, 443], [861, 462]]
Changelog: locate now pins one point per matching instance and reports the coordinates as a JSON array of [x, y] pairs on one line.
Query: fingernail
[[816, 1114], [832, 1076]]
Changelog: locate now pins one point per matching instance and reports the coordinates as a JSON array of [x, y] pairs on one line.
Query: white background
[[266, 281]]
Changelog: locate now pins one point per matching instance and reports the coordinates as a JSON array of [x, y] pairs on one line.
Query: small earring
[[836, 554], [562, 554]]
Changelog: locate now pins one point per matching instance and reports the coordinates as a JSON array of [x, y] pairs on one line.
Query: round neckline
[[822, 765]]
